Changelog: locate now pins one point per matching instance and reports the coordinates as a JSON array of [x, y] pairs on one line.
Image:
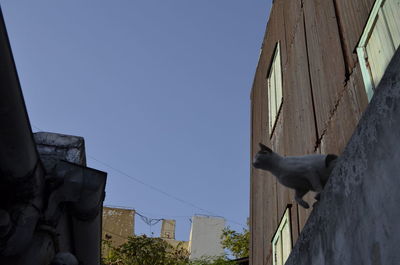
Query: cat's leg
[[316, 182], [317, 198], [299, 198]]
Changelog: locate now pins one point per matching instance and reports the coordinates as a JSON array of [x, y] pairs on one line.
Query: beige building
[[118, 224], [168, 234]]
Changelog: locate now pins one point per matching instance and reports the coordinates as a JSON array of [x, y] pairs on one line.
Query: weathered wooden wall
[[323, 99]]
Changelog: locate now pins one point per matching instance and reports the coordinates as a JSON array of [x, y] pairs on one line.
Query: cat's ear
[[264, 148], [329, 158]]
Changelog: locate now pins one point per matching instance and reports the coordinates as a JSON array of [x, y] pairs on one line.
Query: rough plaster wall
[[357, 219], [168, 229], [205, 237], [118, 224]]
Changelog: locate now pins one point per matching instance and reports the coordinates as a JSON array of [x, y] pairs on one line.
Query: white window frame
[[274, 89], [277, 243], [361, 49]]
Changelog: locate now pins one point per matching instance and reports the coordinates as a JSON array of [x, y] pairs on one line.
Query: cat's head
[[263, 157]]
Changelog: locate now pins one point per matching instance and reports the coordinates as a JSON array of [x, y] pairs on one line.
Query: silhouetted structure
[[50, 202]]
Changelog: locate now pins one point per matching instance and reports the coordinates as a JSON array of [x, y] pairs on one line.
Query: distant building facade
[[168, 234], [205, 237], [320, 64], [118, 224]]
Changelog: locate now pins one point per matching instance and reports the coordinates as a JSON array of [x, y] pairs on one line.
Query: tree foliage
[[143, 250], [237, 243], [211, 261]]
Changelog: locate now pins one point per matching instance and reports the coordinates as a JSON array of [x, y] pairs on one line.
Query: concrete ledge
[[357, 220], [53, 147]]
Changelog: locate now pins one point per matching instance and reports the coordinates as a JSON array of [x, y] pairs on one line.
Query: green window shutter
[[379, 41], [274, 82], [282, 241]]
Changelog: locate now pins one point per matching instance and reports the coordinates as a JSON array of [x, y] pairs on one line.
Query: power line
[[151, 186], [155, 188], [133, 209], [162, 192], [170, 216], [149, 221]]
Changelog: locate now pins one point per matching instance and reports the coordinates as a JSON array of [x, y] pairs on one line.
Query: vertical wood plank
[[292, 16], [349, 111], [265, 220], [391, 9], [352, 17], [327, 68], [379, 48], [299, 126]]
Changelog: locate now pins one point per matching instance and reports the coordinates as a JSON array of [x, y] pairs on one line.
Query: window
[[379, 41], [282, 240], [274, 82]]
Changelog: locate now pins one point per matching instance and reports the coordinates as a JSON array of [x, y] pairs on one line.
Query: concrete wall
[[168, 229], [168, 235], [205, 237], [118, 224], [357, 219], [54, 147]]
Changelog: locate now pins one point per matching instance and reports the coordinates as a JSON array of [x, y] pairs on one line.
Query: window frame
[[273, 115], [361, 47], [278, 234]]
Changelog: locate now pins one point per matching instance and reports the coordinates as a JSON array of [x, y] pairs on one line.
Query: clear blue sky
[[160, 90]]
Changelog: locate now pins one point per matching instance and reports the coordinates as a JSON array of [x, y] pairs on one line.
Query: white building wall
[[205, 237]]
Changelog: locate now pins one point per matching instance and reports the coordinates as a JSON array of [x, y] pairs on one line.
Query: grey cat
[[301, 173]]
